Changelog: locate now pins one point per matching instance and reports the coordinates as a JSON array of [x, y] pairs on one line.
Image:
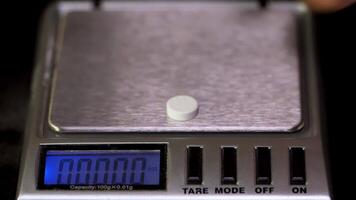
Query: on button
[[297, 166]]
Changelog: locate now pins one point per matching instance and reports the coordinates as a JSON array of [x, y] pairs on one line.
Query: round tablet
[[182, 108]]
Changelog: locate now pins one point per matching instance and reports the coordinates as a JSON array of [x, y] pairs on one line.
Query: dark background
[[336, 49]]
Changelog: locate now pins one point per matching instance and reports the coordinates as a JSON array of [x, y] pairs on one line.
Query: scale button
[[194, 165], [297, 166], [182, 108], [229, 165], [263, 165]]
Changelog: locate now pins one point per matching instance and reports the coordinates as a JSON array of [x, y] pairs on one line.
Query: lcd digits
[[102, 172], [102, 168]]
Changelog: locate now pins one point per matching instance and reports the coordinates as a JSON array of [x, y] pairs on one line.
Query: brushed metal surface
[[117, 68]]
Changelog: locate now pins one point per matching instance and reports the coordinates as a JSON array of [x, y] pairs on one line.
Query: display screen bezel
[[162, 148]]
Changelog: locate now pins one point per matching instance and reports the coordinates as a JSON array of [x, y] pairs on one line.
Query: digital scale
[[172, 100]]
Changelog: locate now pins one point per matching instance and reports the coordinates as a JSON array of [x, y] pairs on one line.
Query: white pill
[[182, 108]]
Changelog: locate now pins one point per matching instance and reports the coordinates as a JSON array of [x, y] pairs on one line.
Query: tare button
[[194, 165]]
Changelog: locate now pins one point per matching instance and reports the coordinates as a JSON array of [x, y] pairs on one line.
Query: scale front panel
[[174, 100], [174, 168]]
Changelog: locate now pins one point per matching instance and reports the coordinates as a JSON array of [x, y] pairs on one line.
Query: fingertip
[[328, 5]]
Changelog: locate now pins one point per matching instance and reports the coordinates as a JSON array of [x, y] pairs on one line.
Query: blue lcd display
[[106, 167]]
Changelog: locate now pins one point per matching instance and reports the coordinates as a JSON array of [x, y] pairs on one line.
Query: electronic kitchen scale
[[174, 100]]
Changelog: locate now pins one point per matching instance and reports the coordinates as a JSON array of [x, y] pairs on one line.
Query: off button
[[263, 165]]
